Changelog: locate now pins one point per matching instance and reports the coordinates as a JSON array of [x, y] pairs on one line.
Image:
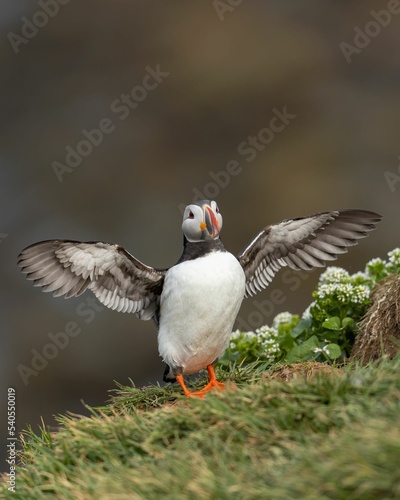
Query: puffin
[[195, 302]]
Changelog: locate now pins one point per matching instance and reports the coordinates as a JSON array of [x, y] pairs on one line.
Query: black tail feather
[[168, 375]]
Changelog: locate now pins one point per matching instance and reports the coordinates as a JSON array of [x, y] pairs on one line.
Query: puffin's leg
[[212, 380], [181, 382]]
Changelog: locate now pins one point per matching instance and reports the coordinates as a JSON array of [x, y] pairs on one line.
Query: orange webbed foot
[[196, 394], [212, 384], [187, 393]]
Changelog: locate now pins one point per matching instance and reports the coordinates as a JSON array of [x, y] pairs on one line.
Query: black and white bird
[[195, 302]]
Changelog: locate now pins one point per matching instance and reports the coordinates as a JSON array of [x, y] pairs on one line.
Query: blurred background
[[179, 87]]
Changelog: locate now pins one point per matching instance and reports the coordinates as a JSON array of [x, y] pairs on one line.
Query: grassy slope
[[329, 437]]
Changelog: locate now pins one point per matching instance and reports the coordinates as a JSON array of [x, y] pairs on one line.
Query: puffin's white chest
[[199, 304]]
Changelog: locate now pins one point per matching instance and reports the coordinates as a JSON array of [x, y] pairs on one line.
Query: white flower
[[334, 274], [394, 256], [324, 290], [360, 294], [374, 262], [236, 334], [392, 266], [282, 318], [307, 313], [345, 292], [267, 337], [266, 331], [360, 275]]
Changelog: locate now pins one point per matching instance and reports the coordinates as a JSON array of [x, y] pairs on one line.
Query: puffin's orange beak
[[211, 222]]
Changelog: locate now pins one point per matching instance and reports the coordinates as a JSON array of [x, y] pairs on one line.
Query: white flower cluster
[[378, 268], [282, 318], [238, 334], [345, 292], [334, 274], [307, 313], [394, 256], [360, 276], [337, 281], [375, 261], [268, 339], [360, 293]]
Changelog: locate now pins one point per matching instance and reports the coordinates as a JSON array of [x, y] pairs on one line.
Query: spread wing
[[303, 243], [118, 280]]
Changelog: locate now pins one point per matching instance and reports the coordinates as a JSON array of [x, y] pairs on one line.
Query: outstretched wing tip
[[303, 243], [67, 268]]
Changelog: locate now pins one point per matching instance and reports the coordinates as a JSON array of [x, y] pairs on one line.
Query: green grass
[[328, 437]]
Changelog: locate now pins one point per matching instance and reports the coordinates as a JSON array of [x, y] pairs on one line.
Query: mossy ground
[[329, 435]]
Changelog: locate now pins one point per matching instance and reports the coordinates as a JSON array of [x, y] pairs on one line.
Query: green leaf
[[333, 336], [302, 352], [347, 322], [301, 327], [286, 343], [333, 351], [332, 323]]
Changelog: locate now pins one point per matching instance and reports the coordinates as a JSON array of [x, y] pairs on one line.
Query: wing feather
[[303, 243], [68, 268]]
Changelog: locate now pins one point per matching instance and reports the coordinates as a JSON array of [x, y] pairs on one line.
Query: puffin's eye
[[191, 215], [217, 210]]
